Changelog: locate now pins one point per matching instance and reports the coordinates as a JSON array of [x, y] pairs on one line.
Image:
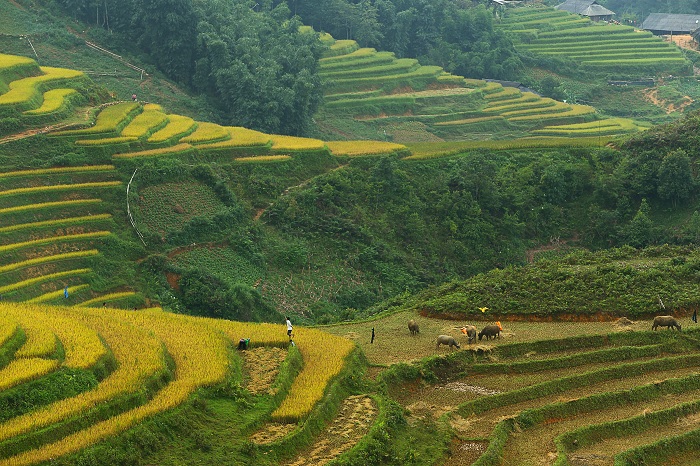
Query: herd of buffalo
[[494, 331]]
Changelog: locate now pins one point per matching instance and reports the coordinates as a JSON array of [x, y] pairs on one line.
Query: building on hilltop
[[669, 24], [588, 8]]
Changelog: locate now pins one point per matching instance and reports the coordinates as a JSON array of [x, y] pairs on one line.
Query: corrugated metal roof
[[671, 22], [584, 7]]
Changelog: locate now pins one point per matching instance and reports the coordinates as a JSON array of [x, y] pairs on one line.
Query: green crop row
[[59, 187], [556, 107], [358, 61], [518, 16], [579, 359], [61, 238], [417, 79], [596, 402], [46, 259], [57, 222], [563, 384], [43, 278], [49, 205], [57, 294], [583, 38], [434, 150], [574, 111], [524, 97], [359, 53], [590, 31], [541, 104], [399, 66], [621, 57], [504, 94], [352, 95], [468, 121], [602, 45], [341, 47]]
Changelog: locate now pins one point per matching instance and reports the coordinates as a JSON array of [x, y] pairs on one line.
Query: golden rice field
[[200, 349]]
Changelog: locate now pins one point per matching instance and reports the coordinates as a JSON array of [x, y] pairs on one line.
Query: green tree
[[675, 177], [639, 232]]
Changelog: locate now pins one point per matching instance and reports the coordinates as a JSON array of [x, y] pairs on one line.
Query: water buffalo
[[413, 327], [490, 331], [446, 340], [470, 332], [665, 321]]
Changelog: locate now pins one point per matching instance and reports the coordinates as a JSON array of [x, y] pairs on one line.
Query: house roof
[[671, 22], [584, 7]]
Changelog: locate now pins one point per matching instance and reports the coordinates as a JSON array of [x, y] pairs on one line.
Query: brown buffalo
[[665, 321]]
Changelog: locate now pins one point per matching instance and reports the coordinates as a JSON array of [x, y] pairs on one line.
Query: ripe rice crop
[[398, 66], [7, 330], [173, 150], [24, 90], [247, 137], [358, 148], [324, 356], [106, 141], [43, 278], [10, 61], [106, 297], [41, 341], [207, 132], [177, 126], [53, 101], [293, 143], [108, 120], [82, 344], [57, 222], [147, 122], [24, 369], [140, 355], [49, 205]]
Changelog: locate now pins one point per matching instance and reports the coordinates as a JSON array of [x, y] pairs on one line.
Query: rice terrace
[[486, 245]]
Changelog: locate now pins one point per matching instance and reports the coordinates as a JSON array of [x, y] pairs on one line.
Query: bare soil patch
[[261, 367], [352, 423]]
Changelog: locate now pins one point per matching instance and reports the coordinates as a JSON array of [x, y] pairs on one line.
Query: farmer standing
[[289, 329]]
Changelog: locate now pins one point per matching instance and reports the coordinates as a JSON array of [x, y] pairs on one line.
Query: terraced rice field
[[551, 393], [597, 47], [380, 91]]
